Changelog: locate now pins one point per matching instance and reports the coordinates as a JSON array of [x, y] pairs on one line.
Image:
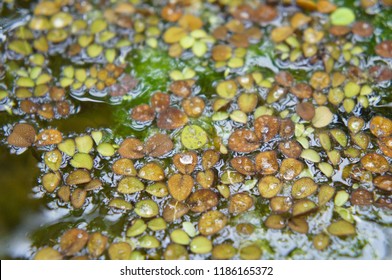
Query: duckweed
[[193, 137], [200, 245], [146, 208]]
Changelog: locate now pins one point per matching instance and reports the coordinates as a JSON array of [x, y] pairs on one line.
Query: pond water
[[195, 129]]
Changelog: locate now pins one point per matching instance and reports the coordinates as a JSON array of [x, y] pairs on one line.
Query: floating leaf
[[193, 137], [72, 241], [23, 135]]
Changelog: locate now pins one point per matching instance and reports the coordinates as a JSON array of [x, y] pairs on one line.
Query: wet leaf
[[200, 245], [303, 187], [96, 244], [290, 168], [64, 193], [171, 118], [21, 47], [78, 198], [193, 106], [68, 147], [206, 179], [212, 222], [384, 49], [381, 126], [193, 137], [72, 241], [131, 148], [291, 149], [240, 203], [81, 160], [266, 127], [287, 128], [143, 113], [180, 237], [221, 53], [266, 162], [383, 182], [124, 166], [78, 177], [302, 90], [280, 204], [250, 252], [298, 225], [49, 137], [174, 210], [152, 172], [158, 145], [180, 186], [120, 251], [146, 208], [160, 101], [321, 241], [281, 33], [181, 88], [129, 185], [341, 228], [209, 159], [223, 252], [303, 207], [375, 163], [322, 117], [176, 252], [243, 141], [342, 16], [185, 162], [121, 204], [305, 110], [310, 155], [243, 165], [158, 189], [227, 89], [202, 200], [361, 197], [50, 181], [275, 221], [137, 227], [269, 186], [23, 135]]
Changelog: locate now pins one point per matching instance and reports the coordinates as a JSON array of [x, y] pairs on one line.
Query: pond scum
[[234, 129]]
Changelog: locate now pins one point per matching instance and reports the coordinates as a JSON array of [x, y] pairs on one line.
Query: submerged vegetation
[[199, 129]]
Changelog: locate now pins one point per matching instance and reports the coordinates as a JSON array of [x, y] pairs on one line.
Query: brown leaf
[[172, 118], [73, 241], [158, 145], [131, 148], [23, 135]]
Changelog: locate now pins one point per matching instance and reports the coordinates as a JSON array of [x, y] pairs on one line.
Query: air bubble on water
[[53, 157], [139, 148], [186, 159]]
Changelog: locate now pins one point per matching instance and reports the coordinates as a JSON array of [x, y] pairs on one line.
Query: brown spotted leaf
[[23, 135], [158, 145], [172, 118], [243, 141], [73, 241], [131, 148]]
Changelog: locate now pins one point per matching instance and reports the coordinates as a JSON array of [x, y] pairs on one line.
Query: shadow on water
[[18, 175], [91, 115]]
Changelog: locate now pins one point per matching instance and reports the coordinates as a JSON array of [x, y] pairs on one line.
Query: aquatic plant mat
[[195, 129]]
